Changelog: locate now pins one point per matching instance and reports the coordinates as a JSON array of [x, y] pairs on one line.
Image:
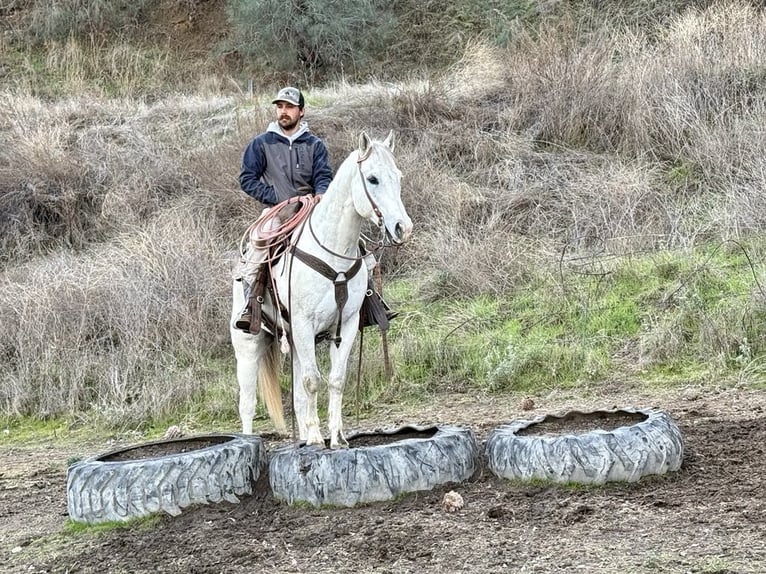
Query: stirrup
[[243, 323]]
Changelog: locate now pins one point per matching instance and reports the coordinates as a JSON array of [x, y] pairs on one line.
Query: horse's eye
[[372, 179]]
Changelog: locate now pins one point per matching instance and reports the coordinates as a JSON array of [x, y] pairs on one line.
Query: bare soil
[[709, 517], [576, 423]]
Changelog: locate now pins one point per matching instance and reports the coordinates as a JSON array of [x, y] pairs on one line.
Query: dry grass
[[118, 214], [125, 329]]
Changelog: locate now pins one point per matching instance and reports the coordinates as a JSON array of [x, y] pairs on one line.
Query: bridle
[[339, 279], [375, 209]]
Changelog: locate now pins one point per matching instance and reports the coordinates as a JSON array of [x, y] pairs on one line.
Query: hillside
[[189, 34], [191, 44], [588, 206], [188, 28]]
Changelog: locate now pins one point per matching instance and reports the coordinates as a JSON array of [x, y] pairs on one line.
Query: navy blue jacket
[[275, 167]]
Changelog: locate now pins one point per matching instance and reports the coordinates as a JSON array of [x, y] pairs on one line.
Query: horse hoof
[[315, 440]]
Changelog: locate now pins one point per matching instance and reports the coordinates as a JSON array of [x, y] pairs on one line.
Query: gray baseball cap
[[290, 95]]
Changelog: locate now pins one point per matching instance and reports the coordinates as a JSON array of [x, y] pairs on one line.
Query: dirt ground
[[708, 517]]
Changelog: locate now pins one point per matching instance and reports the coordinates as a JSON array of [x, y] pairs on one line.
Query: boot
[[375, 311], [250, 319], [243, 323], [390, 313], [371, 262]]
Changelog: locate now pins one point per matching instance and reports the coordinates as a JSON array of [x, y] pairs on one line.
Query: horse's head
[[377, 197]]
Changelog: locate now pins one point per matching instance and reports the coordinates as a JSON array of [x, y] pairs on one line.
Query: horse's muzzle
[[402, 231]]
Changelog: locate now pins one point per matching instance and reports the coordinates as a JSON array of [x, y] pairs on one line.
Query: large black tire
[[653, 445], [119, 486], [365, 474]]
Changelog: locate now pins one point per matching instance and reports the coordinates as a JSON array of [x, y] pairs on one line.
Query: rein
[[339, 278], [272, 236], [375, 209]]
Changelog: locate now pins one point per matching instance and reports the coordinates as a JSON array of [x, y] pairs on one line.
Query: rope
[[357, 392], [268, 234]]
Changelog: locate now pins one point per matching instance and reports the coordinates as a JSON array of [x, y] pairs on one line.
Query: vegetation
[[586, 192]]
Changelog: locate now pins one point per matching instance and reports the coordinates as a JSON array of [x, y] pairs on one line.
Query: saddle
[[374, 310]]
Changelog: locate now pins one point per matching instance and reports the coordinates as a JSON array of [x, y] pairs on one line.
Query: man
[[284, 161], [287, 159]]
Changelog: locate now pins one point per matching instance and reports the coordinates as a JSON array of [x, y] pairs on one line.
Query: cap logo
[[291, 95]]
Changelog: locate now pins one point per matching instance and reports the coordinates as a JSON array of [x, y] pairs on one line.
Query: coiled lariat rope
[[265, 235]]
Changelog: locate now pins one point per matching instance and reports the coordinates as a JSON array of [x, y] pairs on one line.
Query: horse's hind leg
[[249, 351]]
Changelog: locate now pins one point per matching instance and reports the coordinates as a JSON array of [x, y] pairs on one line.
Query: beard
[[287, 123]]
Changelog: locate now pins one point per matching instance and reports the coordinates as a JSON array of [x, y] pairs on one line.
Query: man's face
[[288, 115]]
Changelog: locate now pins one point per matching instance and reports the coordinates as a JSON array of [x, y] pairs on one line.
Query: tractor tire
[[652, 445], [348, 477], [121, 485]]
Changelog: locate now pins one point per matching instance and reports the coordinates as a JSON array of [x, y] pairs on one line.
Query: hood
[[302, 129]]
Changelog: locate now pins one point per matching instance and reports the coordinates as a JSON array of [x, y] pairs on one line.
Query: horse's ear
[[390, 140], [364, 143]]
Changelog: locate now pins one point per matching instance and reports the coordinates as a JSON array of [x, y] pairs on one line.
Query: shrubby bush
[[359, 38], [313, 35], [63, 19]]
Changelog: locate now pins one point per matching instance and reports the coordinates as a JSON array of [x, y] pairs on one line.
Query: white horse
[[365, 187]]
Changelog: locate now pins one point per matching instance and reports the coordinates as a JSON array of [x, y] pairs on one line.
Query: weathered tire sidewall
[[99, 490], [348, 477], [652, 446]]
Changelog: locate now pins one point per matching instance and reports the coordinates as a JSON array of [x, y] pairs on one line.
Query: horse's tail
[[268, 386]]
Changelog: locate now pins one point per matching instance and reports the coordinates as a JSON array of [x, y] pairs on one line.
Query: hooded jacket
[[275, 167]]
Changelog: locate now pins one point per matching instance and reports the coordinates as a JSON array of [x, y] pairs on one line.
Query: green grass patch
[[74, 528], [23, 430], [661, 320], [666, 318]]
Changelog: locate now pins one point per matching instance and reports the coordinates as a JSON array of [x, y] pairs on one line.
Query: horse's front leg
[[337, 381], [300, 398], [306, 388]]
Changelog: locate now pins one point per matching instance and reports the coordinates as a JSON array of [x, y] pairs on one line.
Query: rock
[[452, 501], [527, 404], [173, 432]]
